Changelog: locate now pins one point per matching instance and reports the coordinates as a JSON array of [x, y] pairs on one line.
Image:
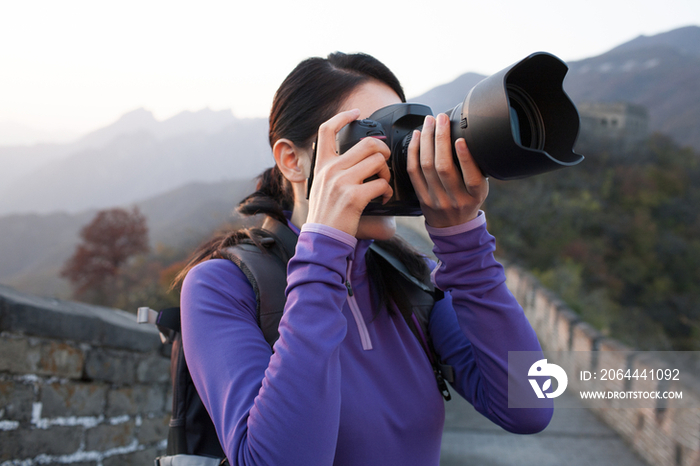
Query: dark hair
[[310, 95]]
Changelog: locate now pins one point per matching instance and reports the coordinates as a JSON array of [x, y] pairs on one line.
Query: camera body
[[517, 123], [394, 125]]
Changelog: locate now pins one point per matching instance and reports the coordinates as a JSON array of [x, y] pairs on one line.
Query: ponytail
[[272, 197]]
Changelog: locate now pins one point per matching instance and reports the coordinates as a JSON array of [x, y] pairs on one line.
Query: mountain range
[[138, 157], [188, 172], [133, 159], [660, 72]]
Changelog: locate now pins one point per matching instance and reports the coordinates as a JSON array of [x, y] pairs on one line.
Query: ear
[[292, 160]]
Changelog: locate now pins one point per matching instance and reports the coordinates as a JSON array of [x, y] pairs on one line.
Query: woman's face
[[370, 97]]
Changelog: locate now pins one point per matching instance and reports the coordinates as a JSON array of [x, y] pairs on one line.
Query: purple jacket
[[344, 387]]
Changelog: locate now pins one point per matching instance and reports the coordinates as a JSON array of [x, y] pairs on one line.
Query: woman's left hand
[[449, 195]]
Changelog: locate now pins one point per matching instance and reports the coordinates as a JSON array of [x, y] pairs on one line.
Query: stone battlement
[[79, 384], [668, 435]]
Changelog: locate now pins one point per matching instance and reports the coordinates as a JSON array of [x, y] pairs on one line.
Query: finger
[[363, 149], [445, 167], [474, 180], [327, 132], [375, 188], [368, 167], [427, 154], [413, 166]]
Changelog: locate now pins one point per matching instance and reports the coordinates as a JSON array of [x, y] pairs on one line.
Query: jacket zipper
[[355, 309]]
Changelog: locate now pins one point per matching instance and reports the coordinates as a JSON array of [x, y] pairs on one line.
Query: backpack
[[192, 438]]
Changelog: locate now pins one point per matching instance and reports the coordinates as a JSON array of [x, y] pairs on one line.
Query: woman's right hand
[[339, 192]]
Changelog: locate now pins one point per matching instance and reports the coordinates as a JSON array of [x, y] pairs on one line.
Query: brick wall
[[668, 435], [79, 384]]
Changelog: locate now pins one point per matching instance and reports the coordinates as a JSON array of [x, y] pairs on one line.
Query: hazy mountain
[[141, 120], [685, 40], [135, 158], [660, 72], [34, 247], [447, 96], [18, 161], [183, 216]]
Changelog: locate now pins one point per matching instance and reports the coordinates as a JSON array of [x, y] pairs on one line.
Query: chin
[[376, 227]]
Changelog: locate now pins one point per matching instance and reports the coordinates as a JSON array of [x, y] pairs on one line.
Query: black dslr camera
[[517, 123]]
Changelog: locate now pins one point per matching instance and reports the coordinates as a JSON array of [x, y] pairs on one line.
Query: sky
[[71, 66]]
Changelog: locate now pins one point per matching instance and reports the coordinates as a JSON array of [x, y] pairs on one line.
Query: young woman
[[347, 382]]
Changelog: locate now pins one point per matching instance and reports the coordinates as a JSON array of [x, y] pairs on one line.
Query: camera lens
[[525, 119]]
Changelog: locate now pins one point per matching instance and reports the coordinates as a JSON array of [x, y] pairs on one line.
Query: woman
[[348, 383]]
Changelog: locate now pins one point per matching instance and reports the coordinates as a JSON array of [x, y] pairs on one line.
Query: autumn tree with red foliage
[[108, 242]]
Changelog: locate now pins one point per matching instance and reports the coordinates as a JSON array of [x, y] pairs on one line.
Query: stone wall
[[667, 435], [79, 384]]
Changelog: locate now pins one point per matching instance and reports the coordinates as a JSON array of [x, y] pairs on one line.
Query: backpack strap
[[422, 297], [283, 235], [266, 270], [267, 274]]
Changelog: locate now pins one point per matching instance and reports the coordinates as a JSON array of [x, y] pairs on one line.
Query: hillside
[[661, 73], [617, 237], [34, 247], [685, 40]]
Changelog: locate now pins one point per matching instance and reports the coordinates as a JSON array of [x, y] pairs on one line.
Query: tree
[[108, 242], [617, 237]]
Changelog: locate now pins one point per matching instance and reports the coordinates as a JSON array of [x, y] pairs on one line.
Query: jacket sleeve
[[270, 408], [478, 323]]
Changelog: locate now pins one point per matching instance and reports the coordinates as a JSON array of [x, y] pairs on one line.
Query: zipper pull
[[349, 287]]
